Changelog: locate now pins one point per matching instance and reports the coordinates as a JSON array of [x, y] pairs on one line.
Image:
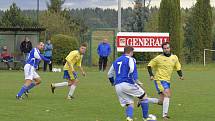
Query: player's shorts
[[161, 85], [68, 75], [30, 72], [126, 92]]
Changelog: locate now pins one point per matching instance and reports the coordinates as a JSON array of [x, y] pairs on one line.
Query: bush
[[63, 44]]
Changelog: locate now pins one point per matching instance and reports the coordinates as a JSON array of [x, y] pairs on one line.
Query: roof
[[36, 29]]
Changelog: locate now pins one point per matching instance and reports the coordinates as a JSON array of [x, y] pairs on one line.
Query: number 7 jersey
[[125, 70]]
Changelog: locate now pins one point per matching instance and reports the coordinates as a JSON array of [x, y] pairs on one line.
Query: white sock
[[153, 100], [60, 84], [165, 106], [72, 89]]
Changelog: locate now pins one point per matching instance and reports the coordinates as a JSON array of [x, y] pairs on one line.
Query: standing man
[[164, 65], [48, 54], [103, 51], [74, 58], [30, 69], [127, 85], [25, 48]]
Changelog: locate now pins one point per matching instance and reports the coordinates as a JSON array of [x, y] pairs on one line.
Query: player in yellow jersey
[[163, 65], [73, 59]]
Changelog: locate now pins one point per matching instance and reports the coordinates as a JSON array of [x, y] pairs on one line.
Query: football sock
[[72, 89], [22, 90], [145, 107], [31, 86], [153, 100], [60, 84], [165, 106], [129, 111]]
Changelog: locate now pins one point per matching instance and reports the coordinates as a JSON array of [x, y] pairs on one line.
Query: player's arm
[[151, 64], [111, 75], [178, 68], [37, 55], [82, 70], [131, 65], [80, 67]]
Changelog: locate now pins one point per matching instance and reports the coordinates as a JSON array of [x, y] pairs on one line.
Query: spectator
[[25, 48], [103, 51], [6, 57], [48, 54]]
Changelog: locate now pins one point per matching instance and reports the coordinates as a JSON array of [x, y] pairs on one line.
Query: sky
[[32, 4]]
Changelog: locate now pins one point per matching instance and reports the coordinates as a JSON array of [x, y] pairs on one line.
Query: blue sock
[[23, 89], [129, 111], [31, 86], [145, 107]]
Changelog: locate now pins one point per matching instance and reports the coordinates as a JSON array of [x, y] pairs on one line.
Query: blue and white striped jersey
[[124, 69], [34, 57]]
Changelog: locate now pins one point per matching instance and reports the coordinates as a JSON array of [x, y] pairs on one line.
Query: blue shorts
[[68, 75], [161, 85]]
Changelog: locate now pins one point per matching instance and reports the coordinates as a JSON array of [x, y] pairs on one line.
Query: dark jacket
[[26, 47]]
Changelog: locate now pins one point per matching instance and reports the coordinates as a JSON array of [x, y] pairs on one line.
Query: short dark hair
[[165, 43], [128, 49], [84, 44]]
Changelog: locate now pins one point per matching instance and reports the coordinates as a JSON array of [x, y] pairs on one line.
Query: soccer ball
[[152, 117]]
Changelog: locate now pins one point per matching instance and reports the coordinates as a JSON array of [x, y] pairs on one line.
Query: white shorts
[[30, 72], [126, 92]]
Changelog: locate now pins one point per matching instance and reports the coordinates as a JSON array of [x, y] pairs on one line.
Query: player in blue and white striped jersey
[[31, 65], [127, 85]]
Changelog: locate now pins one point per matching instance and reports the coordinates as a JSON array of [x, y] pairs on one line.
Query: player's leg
[[61, 84], [165, 93], [23, 88], [126, 101], [155, 100], [136, 91], [129, 112], [159, 89], [29, 73], [36, 79], [72, 86], [166, 100]]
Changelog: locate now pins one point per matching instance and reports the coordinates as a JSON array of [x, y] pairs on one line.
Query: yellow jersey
[[74, 58], [164, 66]]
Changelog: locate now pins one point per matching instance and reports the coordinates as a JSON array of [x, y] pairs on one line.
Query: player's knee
[[143, 96], [75, 82], [166, 94], [160, 102], [38, 82], [131, 104], [69, 83]]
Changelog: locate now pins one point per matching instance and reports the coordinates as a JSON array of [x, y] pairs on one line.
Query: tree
[[202, 29], [55, 5], [55, 23], [136, 22], [170, 21], [14, 18], [152, 24]]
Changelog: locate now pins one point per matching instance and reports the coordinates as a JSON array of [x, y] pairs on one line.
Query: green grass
[[95, 99]]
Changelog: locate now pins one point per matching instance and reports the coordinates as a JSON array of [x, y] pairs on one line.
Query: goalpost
[[205, 54]]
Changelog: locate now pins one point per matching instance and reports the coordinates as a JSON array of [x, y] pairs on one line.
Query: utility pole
[[119, 16], [38, 11]]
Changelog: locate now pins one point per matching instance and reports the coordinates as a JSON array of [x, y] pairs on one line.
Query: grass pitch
[[95, 100]]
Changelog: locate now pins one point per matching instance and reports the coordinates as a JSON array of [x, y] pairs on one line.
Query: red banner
[[142, 42]]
